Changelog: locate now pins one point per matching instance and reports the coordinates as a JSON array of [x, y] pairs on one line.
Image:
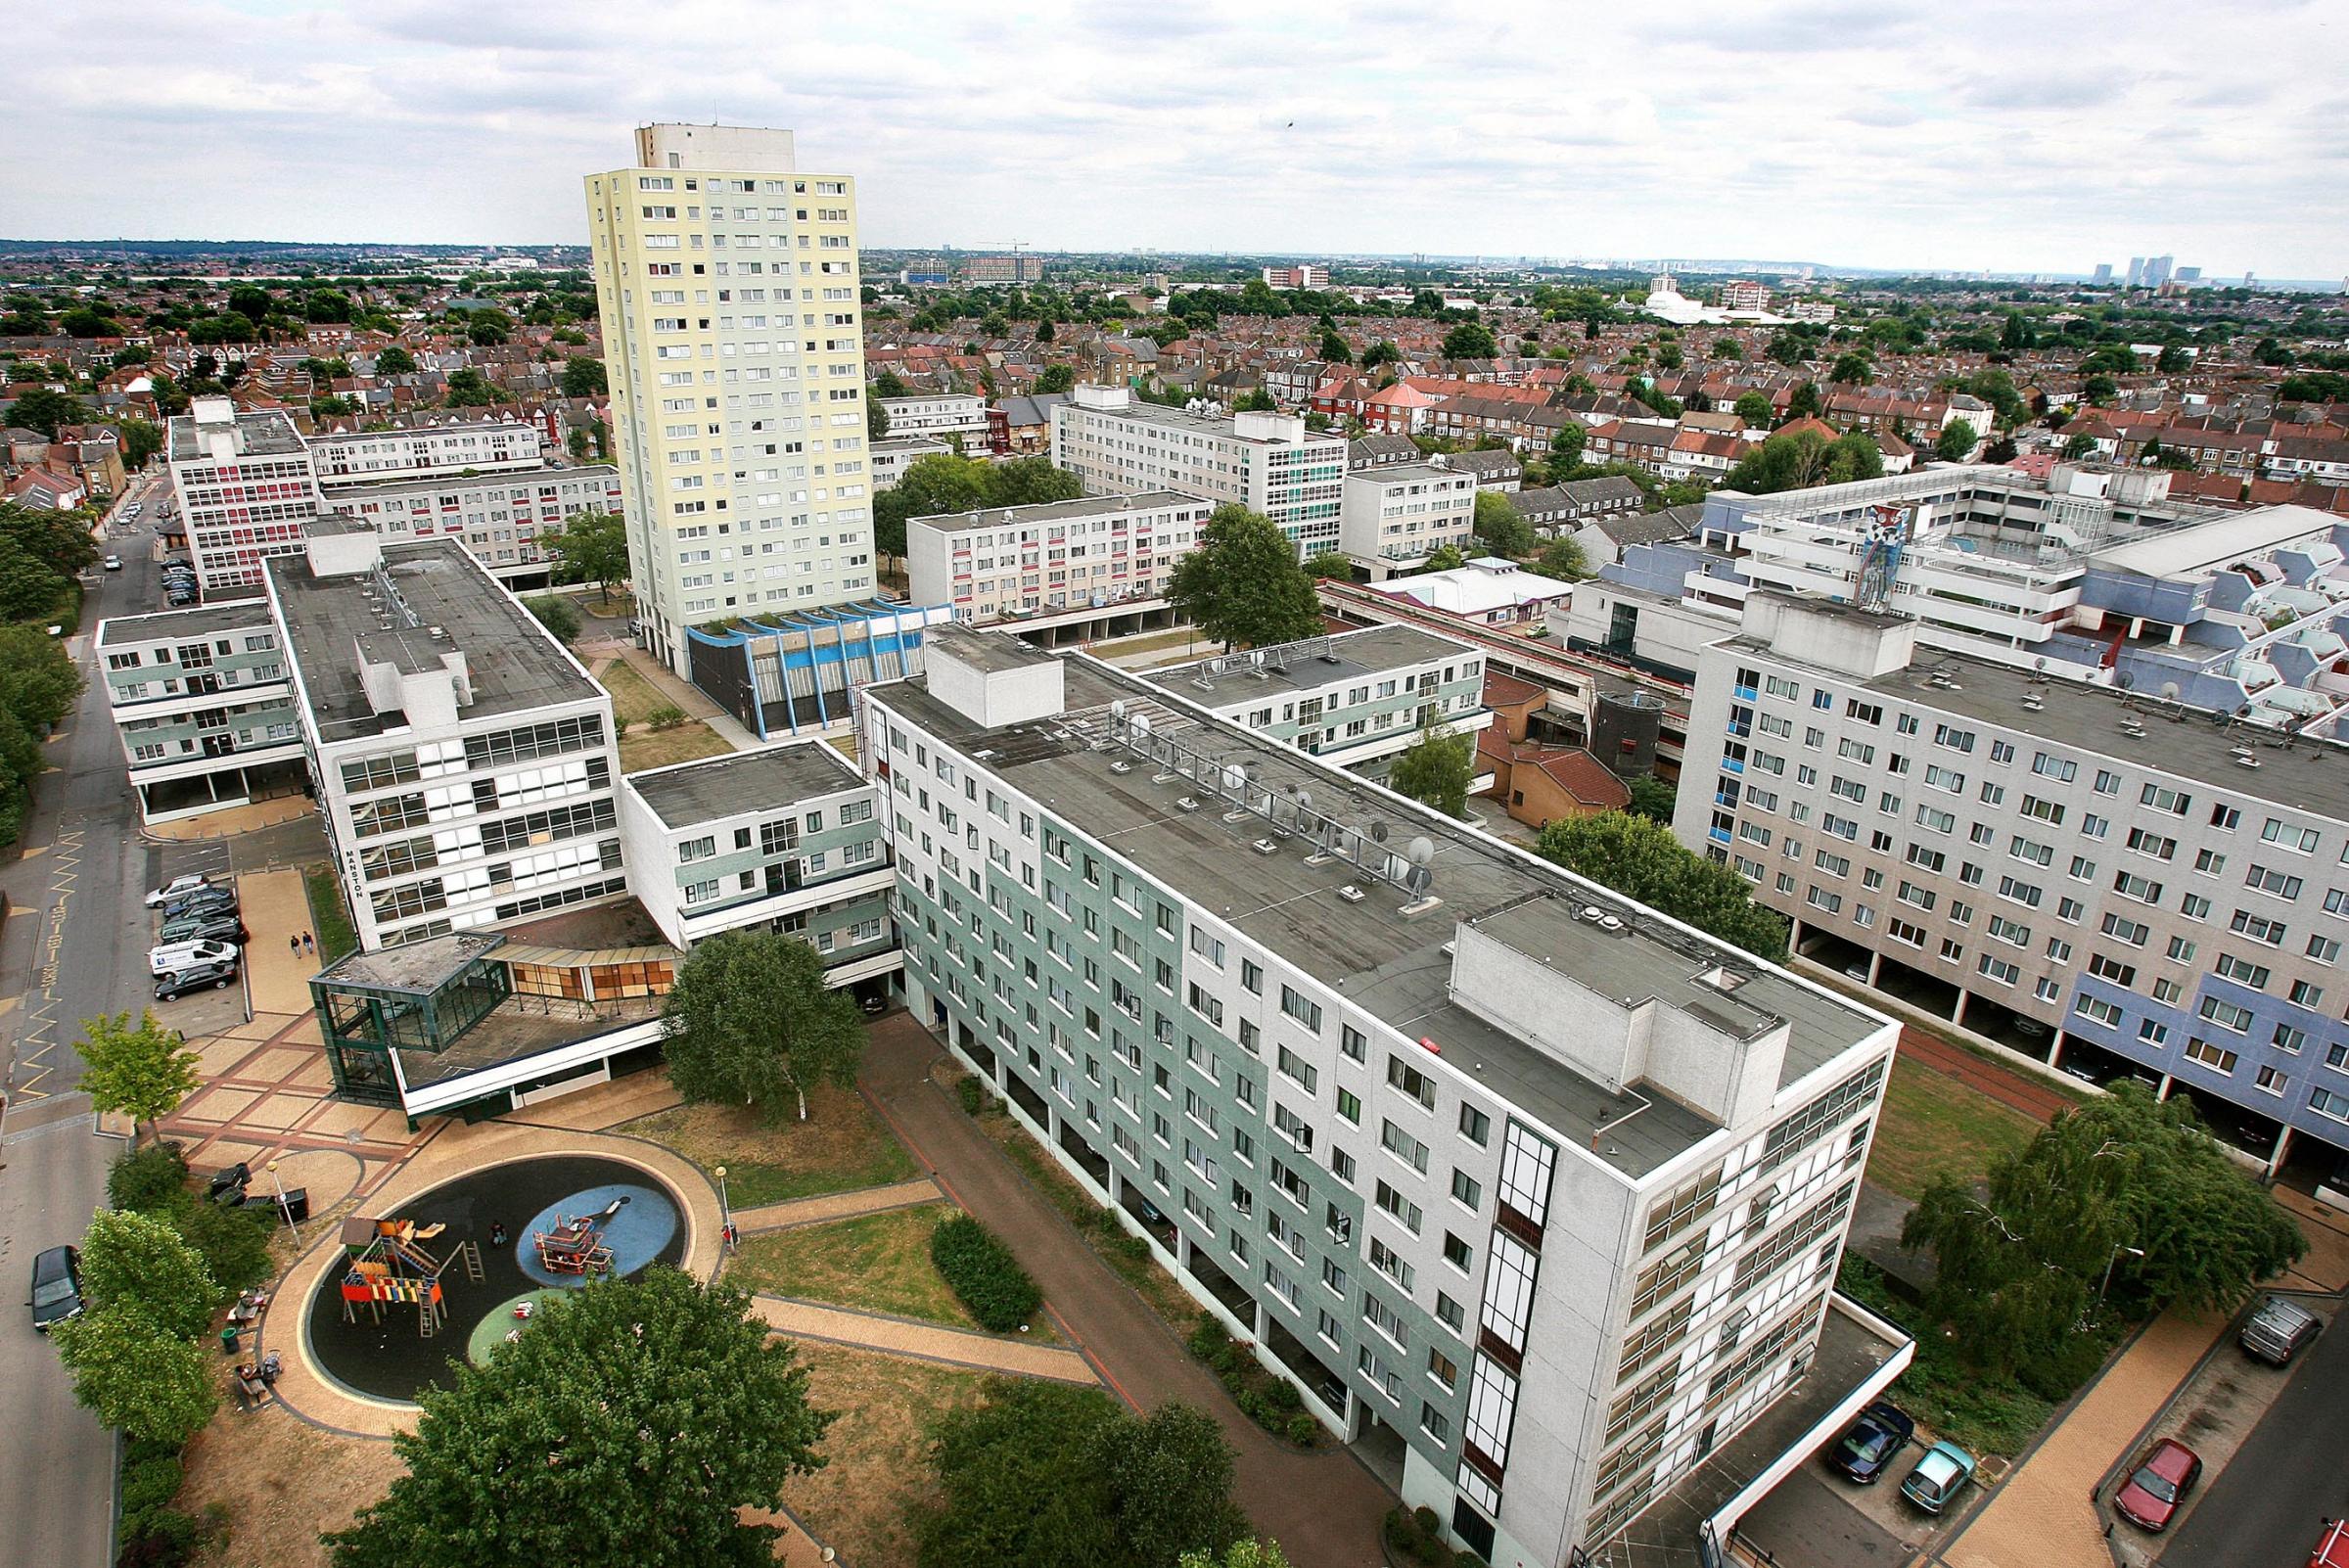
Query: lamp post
[[725, 1215], [284, 1211], [2102, 1285]]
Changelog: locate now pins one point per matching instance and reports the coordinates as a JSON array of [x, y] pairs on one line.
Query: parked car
[[2276, 1332], [1872, 1442], [2150, 1497], [56, 1287], [173, 957], [206, 898], [202, 977], [113, 563], [2332, 1546], [177, 888], [1938, 1477], [204, 928]]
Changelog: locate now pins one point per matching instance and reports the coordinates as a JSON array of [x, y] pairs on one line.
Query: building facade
[[1548, 1186], [500, 517], [938, 416], [1017, 561], [1393, 518], [1350, 697], [485, 447], [727, 285], [1269, 463], [1307, 275], [246, 487], [203, 706]]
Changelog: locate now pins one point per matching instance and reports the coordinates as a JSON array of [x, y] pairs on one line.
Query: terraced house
[[1539, 1187]]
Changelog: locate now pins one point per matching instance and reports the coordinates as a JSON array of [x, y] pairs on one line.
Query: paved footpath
[[1323, 1508], [893, 1335], [835, 1206]]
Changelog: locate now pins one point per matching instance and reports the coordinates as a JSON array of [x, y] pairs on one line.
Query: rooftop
[[2207, 545], [261, 432], [338, 489], [1368, 948], [198, 620], [1308, 666], [425, 601], [1083, 506], [420, 966], [706, 791], [1226, 426], [989, 654]]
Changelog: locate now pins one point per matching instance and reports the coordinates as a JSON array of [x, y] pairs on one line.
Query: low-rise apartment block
[[1548, 1186], [1350, 697], [1012, 562], [500, 517], [203, 706], [893, 456], [1269, 463], [940, 416], [1395, 518], [429, 451]]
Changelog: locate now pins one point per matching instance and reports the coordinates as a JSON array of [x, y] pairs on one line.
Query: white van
[[173, 956]]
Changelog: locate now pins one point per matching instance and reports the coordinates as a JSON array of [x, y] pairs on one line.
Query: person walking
[[309, 943], [295, 942]]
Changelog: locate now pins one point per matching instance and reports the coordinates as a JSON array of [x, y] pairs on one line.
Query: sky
[[1997, 135]]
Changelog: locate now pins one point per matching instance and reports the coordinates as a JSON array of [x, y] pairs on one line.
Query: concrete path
[[276, 910], [835, 1206], [236, 819], [1323, 1508], [2046, 1515], [893, 1335]]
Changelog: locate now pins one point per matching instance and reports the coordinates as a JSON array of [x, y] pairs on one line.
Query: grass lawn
[[662, 747], [634, 697], [838, 1148], [1933, 1124], [878, 1262], [329, 922], [876, 1469]]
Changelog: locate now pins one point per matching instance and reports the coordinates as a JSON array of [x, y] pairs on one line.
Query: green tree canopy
[[589, 547], [1640, 859], [1566, 450], [1381, 353], [142, 439], [1728, 348], [1335, 350], [1055, 379], [395, 360], [44, 409], [647, 1410], [556, 614], [583, 376], [142, 1072], [1562, 558], [1805, 400], [1026, 482], [1470, 339], [1654, 799], [1851, 370], [140, 1262], [58, 540], [750, 1021], [1755, 410], [876, 420], [1800, 459], [1500, 527], [1242, 583], [136, 1374], [1436, 770], [1956, 442], [1442, 558]]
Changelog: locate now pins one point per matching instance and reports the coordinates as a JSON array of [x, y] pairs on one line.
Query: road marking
[[36, 1048]]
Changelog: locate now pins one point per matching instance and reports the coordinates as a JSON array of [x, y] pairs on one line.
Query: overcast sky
[[2013, 136]]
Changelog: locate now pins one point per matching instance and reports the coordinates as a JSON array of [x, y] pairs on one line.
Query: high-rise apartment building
[[246, 489], [1013, 268], [727, 284], [1304, 275]]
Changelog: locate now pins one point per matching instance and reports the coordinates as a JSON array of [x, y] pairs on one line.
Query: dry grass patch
[[877, 1262], [877, 1469], [633, 698], [688, 741], [838, 1148], [281, 1480], [1933, 1125]]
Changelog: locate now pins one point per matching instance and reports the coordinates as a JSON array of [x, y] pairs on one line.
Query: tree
[[251, 302], [395, 362], [1642, 860], [44, 408], [1331, 563], [135, 1374], [1956, 442], [583, 376], [141, 1073], [1654, 799], [749, 1020], [939, 484], [1500, 527], [1381, 353], [647, 1410], [2001, 450], [1027, 481], [140, 1263], [1245, 1553], [142, 439], [1562, 558], [1798, 460], [470, 389], [1728, 348], [1851, 370], [1470, 339], [84, 322], [1044, 330], [1335, 350], [589, 547], [1805, 401], [1566, 450], [876, 420], [2079, 448], [1254, 400], [326, 305], [1056, 379], [556, 614], [58, 540], [1242, 583], [1442, 558], [2099, 388], [2174, 359], [1436, 770]]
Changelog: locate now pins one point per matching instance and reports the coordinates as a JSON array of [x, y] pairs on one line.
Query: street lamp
[[2134, 1252], [284, 1210], [725, 1216]]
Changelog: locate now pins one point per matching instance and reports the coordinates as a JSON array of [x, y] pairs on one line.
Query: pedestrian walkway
[[696, 701], [235, 819], [2046, 1515], [2006, 1084], [835, 1206], [892, 1335], [2325, 1268], [277, 976], [1323, 1508]]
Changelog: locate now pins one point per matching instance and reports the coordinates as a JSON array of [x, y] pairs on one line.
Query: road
[[77, 949], [2265, 1506]]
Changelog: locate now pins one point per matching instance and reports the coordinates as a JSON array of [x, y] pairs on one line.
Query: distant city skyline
[[1708, 130]]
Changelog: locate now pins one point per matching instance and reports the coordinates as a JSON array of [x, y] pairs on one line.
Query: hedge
[[984, 1273]]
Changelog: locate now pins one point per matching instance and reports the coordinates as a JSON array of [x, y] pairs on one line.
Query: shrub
[[667, 718], [972, 1096], [149, 1484], [147, 1178], [235, 1243], [1417, 1536], [984, 1273], [1303, 1430], [1208, 1339], [557, 615], [166, 1538]]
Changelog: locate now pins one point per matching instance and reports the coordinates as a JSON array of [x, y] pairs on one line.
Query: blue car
[[1867, 1450], [1938, 1477]]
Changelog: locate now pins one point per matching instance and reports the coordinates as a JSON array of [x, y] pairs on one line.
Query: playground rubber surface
[[390, 1360]]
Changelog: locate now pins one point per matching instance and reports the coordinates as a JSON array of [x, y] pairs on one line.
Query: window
[[1301, 1007], [2217, 1058], [1398, 1207], [1475, 1126], [1456, 1252], [1404, 1147], [1414, 1083], [1298, 1070], [1349, 1106], [1466, 1190], [1352, 1044]]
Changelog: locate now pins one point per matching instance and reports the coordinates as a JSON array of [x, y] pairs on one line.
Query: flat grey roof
[[1405, 473], [990, 654], [419, 966], [261, 432], [1083, 506], [1311, 664], [513, 663], [1389, 961], [2204, 545], [1223, 425], [748, 781], [2311, 775], [248, 614]]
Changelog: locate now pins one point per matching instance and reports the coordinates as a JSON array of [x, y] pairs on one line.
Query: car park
[[56, 1287], [1938, 1477], [177, 888], [1872, 1442], [2151, 1497], [176, 956], [202, 977], [2276, 1331]]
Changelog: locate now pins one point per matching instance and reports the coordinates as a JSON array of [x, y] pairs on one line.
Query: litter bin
[[236, 1176], [296, 1205]]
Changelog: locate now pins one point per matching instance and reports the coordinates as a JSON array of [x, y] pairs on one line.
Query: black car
[[202, 977], [56, 1287], [1867, 1450], [204, 901], [223, 927]]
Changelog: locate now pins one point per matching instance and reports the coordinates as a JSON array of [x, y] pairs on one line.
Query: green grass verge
[[1933, 1125], [329, 922], [877, 1262]]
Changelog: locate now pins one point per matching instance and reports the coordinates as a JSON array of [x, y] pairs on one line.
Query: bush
[[1302, 1430], [667, 718], [148, 1179], [150, 1483], [234, 1242], [166, 1538], [557, 615], [1209, 1339], [971, 1094], [984, 1273], [1417, 1536]]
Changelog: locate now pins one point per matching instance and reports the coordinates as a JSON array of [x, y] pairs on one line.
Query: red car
[[2150, 1497], [2332, 1547]]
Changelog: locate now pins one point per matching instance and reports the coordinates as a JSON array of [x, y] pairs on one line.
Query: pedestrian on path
[[295, 943], [309, 943]]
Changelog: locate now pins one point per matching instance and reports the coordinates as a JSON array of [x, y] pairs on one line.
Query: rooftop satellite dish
[[1378, 832], [2124, 680], [2169, 691], [2040, 663], [1420, 851], [1235, 778], [1305, 798], [1141, 724], [1116, 710]]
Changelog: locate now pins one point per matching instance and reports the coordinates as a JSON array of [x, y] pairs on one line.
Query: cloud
[[1872, 132]]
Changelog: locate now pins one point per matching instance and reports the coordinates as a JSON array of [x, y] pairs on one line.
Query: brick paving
[[1323, 1508], [930, 1342]]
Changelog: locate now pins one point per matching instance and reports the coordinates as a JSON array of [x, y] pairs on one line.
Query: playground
[[458, 1269]]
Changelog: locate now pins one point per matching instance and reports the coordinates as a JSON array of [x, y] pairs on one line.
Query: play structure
[[575, 1245], [389, 1264]]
